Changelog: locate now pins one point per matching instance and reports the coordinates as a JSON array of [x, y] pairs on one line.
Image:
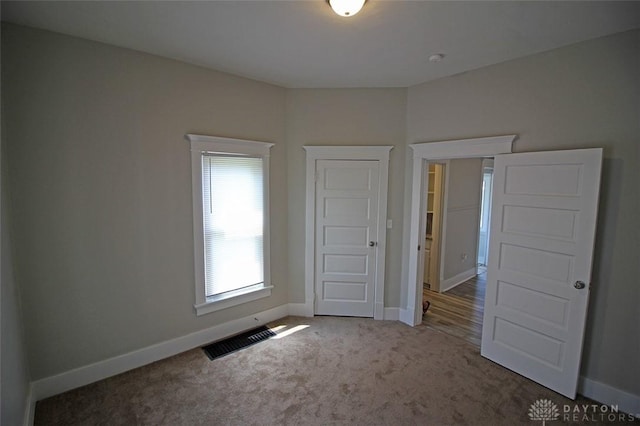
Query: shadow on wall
[[608, 212]]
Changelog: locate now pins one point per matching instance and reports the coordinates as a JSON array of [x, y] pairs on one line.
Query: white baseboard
[[605, 394], [392, 314], [450, 283], [82, 376], [306, 310], [300, 310]]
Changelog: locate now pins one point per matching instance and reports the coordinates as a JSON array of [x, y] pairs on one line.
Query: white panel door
[[347, 195], [543, 227]]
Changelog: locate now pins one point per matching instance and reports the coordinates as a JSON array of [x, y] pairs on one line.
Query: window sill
[[227, 300]]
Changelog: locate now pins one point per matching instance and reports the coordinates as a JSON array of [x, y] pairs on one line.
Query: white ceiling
[[304, 44]]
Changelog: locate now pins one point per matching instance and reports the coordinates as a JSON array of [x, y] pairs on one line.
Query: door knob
[[372, 243], [579, 285]]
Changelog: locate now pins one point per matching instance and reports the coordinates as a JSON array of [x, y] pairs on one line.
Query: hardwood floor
[[458, 311]]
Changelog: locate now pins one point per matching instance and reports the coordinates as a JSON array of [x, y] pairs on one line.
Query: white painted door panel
[[346, 224], [543, 227]]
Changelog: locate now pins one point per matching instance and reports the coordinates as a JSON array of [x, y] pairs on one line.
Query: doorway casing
[[315, 153], [422, 153]]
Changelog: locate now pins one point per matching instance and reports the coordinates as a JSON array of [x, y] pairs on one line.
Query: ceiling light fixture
[[346, 8]]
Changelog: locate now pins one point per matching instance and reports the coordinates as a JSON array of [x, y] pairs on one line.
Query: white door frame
[[315, 153], [422, 153]]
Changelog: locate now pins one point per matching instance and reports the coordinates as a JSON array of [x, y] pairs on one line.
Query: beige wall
[[581, 96], [462, 216], [100, 179], [344, 117]]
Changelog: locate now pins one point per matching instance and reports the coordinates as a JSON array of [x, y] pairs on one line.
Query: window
[[231, 222]]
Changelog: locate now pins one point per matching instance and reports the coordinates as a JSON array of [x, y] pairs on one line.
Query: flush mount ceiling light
[[346, 8]]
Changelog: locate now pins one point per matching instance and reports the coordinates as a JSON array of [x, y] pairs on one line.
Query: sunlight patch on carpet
[[286, 333]]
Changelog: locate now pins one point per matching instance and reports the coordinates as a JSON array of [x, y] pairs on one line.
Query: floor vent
[[235, 343]]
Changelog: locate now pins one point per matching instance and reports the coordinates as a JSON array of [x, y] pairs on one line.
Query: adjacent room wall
[[581, 96], [100, 178], [464, 188], [344, 117]]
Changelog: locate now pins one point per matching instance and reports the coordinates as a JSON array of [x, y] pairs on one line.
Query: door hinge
[[418, 247]]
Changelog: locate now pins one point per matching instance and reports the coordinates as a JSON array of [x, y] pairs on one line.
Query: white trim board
[[315, 153], [464, 148], [605, 394]]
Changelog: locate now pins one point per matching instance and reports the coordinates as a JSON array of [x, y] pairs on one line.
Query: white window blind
[[233, 212]]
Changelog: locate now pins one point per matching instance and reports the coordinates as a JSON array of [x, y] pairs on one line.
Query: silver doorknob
[[372, 243], [579, 285]]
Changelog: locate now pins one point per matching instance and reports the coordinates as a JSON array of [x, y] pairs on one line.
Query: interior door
[[543, 227], [347, 195]]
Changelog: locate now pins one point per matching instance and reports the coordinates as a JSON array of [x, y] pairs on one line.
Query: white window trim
[[201, 144]]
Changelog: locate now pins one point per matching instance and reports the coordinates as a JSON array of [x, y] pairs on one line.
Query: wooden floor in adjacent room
[[458, 311]]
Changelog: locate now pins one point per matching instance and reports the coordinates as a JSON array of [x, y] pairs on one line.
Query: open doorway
[[423, 153], [459, 311], [540, 256], [454, 281]]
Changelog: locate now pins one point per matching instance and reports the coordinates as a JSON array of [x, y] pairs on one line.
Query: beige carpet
[[335, 371]]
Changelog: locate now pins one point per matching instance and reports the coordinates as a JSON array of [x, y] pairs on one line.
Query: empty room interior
[[431, 206]]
